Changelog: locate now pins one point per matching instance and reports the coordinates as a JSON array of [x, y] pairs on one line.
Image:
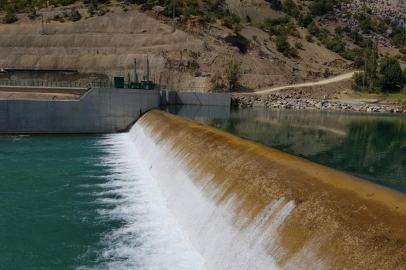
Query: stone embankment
[[277, 101]]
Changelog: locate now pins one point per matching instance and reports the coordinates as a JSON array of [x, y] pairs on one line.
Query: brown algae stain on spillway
[[345, 221]]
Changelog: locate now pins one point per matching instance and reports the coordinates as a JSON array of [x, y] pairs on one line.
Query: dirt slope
[[103, 47]]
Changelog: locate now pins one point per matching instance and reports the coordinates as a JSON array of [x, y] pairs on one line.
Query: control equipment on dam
[[146, 84]]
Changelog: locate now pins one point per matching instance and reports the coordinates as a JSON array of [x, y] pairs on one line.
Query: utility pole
[[42, 19]]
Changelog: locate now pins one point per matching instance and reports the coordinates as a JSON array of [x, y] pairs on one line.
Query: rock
[[159, 9]]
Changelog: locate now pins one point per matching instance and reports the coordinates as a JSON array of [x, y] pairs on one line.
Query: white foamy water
[[150, 237], [226, 241]]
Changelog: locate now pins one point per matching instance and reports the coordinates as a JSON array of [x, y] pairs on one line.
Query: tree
[[276, 4], [233, 74], [320, 7], [305, 20], [391, 72], [10, 17], [290, 8], [368, 80], [404, 76], [283, 46]]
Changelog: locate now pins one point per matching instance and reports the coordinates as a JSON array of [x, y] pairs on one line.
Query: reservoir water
[[84, 202], [90, 202], [370, 146]]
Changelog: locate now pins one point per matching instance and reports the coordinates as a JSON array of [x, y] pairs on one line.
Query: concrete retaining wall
[[191, 98], [99, 111]]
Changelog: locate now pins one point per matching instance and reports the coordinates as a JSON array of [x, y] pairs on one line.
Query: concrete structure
[[98, 111], [247, 206], [191, 98]]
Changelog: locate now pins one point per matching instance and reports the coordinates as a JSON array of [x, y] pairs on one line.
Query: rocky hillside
[[273, 47]]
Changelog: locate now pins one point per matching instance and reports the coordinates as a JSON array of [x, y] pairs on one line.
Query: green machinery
[[144, 84]]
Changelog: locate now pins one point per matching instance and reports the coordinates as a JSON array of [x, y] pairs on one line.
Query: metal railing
[[56, 84], [181, 88], [100, 84]]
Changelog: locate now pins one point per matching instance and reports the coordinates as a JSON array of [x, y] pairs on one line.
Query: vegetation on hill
[[379, 76]]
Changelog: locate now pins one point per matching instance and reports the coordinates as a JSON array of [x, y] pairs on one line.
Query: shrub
[[230, 21], [233, 74], [309, 38], [248, 18], [205, 19], [320, 7], [283, 46], [281, 26], [32, 15], [254, 38], [338, 30], [313, 29], [391, 72], [334, 45], [290, 8], [355, 54], [402, 50], [298, 45], [305, 20], [10, 17], [276, 4], [75, 15]]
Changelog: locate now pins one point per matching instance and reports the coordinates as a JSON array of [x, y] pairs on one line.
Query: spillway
[[247, 206]]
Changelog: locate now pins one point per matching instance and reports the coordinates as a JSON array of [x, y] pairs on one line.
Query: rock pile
[[277, 101]]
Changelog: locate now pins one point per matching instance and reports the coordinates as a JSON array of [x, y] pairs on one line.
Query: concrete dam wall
[[246, 206], [100, 110]]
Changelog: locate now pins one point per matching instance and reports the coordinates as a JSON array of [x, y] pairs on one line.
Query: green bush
[[283, 46], [391, 72], [229, 21], [280, 26], [276, 4], [402, 50], [399, 36], [305, 20], [320, 7], [290, 8], [309, 38], [75, 15], [355, 54], [10, 17], [334, 45], [205, 19], [313, 29], [233, 74]]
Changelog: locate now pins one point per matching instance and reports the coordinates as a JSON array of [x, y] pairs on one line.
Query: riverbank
[[278, 101]]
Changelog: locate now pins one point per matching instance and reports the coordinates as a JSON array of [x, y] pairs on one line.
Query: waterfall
[[247, 206]]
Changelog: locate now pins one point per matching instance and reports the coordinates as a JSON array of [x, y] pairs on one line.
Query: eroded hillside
[[105, 46]]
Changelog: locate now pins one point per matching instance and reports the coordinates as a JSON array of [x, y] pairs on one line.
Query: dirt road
[[327, 81]]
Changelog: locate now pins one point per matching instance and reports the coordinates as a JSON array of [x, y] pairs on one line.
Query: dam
[[97, 110], [171, 193]]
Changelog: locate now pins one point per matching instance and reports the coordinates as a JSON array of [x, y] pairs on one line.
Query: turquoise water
[[88, 201], [370, 146], [84, 202]]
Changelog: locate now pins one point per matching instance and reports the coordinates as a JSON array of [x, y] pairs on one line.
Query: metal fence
[[56, 84], [181, 88], [101, 84]]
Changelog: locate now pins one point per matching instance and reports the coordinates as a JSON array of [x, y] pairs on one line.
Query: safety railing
[[56, 84], [100, 84]]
